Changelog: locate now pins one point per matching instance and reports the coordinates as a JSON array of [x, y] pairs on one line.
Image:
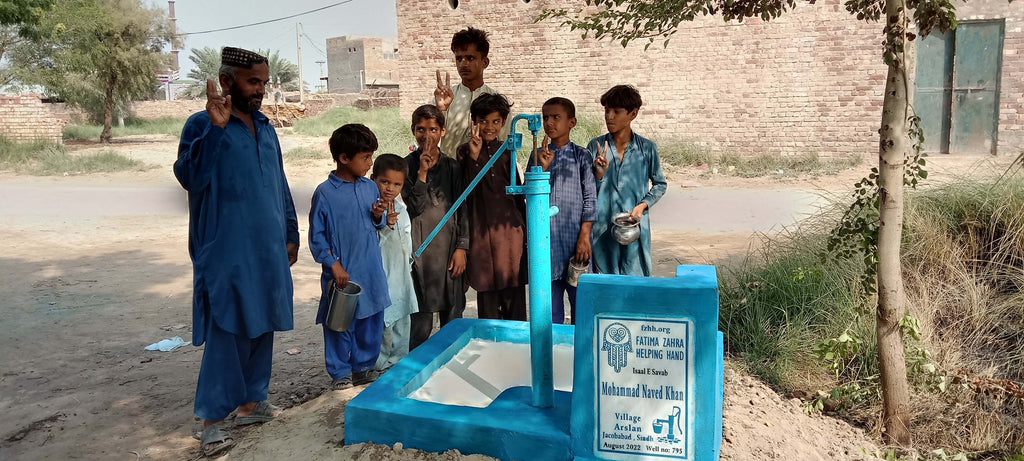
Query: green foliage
[[43, 158], [23, 12], [206, 65], [624, 21], [132, 126], [628, 20], [1016, 456], [774, 310], [95, 54], [394, 134]]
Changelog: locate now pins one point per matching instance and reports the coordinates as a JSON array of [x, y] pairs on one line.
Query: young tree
[[96, 54], [629, 20]]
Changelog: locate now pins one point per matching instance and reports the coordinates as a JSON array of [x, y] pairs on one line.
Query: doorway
[[957, 92]]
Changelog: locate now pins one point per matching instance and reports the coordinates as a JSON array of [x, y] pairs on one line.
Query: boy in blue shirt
[[622, 184], [344, 218], [574, 193]]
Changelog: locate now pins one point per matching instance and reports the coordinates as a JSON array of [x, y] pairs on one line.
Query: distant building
[[357, 63]]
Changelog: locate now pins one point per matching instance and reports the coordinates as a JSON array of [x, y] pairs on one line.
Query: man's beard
[[246, 103]]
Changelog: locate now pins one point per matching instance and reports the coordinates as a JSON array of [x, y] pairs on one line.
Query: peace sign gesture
[[601, 161], [443, 95], [217, 106], [476, 143], [392, 214], [544, 154]]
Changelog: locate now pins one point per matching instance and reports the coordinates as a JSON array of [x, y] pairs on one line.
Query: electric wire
[[267, 21]]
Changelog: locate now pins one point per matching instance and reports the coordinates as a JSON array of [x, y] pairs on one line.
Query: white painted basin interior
[[483, 369]]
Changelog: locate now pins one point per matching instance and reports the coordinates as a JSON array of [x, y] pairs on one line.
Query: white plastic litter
[[168, 345]]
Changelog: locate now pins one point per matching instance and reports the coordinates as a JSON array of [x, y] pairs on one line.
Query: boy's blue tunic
[[341, 228], [638, 177], [573, 192], [241, 216]]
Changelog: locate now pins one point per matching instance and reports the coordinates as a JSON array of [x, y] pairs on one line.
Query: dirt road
[[94, 268]]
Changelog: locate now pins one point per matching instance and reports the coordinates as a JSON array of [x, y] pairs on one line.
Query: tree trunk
[[891, 298], [108, 110]]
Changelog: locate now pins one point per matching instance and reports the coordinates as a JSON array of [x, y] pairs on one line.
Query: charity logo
[[618, 342]]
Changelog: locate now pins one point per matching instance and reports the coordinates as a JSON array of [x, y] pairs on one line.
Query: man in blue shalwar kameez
[[243, 236]]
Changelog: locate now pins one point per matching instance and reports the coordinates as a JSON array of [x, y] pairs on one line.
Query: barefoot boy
[[389, 171], [573, 192], [497, 221], [433, 184], [625, 164], [344, 218]]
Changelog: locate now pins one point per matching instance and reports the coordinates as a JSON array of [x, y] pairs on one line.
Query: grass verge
[[132, 126], [794, 320], [43, 159]]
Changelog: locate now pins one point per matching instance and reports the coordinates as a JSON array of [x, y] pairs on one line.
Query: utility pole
[[320, 86], [298, 44]]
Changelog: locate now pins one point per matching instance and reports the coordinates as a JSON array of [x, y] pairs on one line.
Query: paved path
[[708, 210]]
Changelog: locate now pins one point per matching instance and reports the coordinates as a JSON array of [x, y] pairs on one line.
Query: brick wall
[[24, 117], [380, 70], [809, 82]]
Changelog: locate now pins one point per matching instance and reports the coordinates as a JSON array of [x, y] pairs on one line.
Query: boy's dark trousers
[[506, 304], [422, 324]]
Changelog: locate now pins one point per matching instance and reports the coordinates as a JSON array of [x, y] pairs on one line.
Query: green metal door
[[934, 89], [975, 105]]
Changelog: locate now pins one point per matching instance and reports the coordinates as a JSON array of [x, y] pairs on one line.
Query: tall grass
[[394, 135], [780, 302], [963, 265], [43, 158], [132, 126]]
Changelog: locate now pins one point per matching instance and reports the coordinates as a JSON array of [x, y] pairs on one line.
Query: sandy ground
[[96, 267]]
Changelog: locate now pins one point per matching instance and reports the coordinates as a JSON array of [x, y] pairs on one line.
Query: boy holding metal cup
[[574, 192], [344, 218]]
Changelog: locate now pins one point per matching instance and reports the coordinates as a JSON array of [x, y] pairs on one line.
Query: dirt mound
[[759, 425]]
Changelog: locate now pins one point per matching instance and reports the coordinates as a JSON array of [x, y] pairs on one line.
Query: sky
[[356, 17]]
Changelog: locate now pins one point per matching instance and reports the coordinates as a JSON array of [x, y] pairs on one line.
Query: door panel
[[978, 61], [934, 88]]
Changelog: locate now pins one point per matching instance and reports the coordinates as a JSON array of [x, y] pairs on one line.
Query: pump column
[[538, 244]]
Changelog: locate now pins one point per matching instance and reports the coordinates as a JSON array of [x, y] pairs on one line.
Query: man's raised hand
[[443, 95], [545, 155], [217, 106], [601, 161]]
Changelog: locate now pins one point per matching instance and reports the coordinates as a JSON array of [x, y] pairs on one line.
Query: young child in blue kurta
[[389, 171], [628, 180], [573, 192], [344, 218]]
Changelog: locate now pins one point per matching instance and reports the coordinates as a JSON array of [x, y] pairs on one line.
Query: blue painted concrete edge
[[509, 428]]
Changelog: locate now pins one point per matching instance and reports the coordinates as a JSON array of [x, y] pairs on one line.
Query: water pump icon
[[674, 424]]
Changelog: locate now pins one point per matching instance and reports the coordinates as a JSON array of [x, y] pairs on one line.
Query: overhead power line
[[267, 21]]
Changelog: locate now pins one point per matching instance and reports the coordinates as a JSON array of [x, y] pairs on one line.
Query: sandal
[[364, 377], [261, 413], [342, 383], [215, 435]]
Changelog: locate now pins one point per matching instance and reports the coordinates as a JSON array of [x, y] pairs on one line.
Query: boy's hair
[[487, 103], [352, 139], [622, 96], [570, 108], [428, 112], [385, 162], [472, 36]]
